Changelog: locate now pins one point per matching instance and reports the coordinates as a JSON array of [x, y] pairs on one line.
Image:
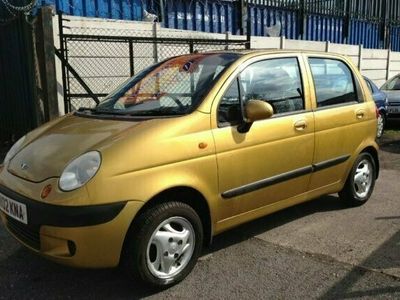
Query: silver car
[[392, 90]]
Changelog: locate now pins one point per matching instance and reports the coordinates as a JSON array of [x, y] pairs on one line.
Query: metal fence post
[[155, 45], [282, 42], [244, 21], [162, 14], [327, 46], [191, 47], [247, 13], [301, 20], [131, 59], [62, 50], [241, 16], [346, 22], [47, 63], [383, 24], [387, 36], [389, 58]]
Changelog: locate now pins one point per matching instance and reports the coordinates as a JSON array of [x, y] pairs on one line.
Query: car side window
[[276, 81], [369, 86], [229, 110], [393, 84], [333, 82]]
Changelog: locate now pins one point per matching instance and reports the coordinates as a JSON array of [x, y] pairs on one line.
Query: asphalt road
[[319, 249]]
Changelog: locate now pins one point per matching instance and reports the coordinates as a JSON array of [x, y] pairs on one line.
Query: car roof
[[256, 52]]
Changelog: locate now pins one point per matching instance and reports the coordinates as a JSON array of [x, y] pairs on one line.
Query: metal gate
[[94, 65], [17, 87]]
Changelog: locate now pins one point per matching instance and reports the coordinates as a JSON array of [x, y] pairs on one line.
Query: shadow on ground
[[254, 228]]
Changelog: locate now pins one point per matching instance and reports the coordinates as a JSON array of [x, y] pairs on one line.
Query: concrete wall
[[378, 65]]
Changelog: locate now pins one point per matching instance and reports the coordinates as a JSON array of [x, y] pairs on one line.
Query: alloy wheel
[[363, 178], [170, 247], [381, 124]]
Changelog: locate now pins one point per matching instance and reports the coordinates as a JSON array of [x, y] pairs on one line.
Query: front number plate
[[14, 209]]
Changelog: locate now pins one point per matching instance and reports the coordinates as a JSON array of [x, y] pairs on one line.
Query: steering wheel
[[175, 99]]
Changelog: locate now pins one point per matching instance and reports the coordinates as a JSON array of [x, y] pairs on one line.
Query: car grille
[[394, 103], [27, 234]]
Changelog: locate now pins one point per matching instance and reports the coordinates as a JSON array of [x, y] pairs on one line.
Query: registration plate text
[[14, 209]]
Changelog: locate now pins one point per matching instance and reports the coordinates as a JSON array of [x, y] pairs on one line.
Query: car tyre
[[381, 125], [163, 245], [360, 182]]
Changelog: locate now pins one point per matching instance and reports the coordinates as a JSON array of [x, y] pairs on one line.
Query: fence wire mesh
[[104, 61]]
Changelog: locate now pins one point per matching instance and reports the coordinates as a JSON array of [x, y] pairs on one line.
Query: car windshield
[[173, 87], [392, 84]]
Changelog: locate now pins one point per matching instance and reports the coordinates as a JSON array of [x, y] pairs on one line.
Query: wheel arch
[[187, 195], [374, 153], [382, 110]]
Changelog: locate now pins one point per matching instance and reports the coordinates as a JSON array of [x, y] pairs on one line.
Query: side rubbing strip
[[283, 177], [267, 182], [330, 163]]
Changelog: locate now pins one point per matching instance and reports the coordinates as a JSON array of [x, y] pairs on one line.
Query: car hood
[[393, 96], [48, 149]]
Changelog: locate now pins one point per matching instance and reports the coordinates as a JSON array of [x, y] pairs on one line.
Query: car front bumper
[[90, 236], [393, 110]]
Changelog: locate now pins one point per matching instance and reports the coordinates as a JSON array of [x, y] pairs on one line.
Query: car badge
[[24, 166]]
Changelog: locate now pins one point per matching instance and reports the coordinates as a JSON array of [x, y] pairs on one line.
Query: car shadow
[[275, 220], [37, 276]]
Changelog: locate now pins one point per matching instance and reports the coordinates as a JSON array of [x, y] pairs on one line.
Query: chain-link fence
[[102, 62]]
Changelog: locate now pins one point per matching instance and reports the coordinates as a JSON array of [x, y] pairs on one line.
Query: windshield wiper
[[101, 112], [162, 111]]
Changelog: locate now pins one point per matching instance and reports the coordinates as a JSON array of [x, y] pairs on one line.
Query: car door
[[272, 160], [340, 113]]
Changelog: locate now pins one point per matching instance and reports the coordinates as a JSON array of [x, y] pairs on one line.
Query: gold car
[[186, 149]]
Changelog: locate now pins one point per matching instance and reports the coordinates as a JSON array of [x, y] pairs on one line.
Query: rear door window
[[333, 81], [369, 86]]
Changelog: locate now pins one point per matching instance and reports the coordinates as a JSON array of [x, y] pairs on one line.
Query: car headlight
[[14, 150], [79, 171]]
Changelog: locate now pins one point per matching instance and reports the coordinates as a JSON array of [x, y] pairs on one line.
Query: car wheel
[[164, 244], [381, 125], [360, 182]]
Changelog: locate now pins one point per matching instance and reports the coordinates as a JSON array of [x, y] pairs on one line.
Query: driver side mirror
[[258, 110], [255, 110]]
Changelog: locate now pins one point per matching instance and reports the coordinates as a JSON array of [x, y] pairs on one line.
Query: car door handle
[[300, 125], [360, 114]]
